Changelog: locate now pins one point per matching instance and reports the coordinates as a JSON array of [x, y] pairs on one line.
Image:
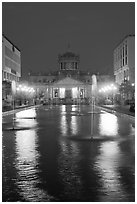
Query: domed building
[[67, 85], [68, 61]]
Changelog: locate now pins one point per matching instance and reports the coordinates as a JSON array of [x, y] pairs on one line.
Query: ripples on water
[[43, 164]]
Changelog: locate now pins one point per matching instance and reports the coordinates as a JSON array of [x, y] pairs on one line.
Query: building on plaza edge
[[11, 68], [66, 85], [124, 67]]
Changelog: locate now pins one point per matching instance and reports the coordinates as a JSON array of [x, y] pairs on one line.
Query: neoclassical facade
[[66, 85]]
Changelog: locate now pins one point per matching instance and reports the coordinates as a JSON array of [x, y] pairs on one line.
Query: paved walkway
[[18, 109], [120, 109]]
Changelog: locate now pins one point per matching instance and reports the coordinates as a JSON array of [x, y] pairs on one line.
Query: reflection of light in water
[[74, 107], [108, 124], [74, 125], [26, 145], [26, 164], [26, 113], [63, 108], [63, 125], [68, 166], [107, 163]]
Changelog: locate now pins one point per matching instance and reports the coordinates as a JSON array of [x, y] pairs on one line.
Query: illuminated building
[[124, 68], [11, 61], [11, 68], [66, 85], [124, 60]]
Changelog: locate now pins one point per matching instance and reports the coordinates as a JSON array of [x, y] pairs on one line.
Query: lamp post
[[109, 89], [25, 91]]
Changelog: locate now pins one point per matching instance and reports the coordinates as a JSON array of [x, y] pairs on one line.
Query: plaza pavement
[[120, 109]]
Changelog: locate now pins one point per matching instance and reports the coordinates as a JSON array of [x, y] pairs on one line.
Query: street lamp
[[110, 88], [25, 91]]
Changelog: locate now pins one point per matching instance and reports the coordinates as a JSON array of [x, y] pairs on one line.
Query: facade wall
[[131, 59], [124, 60], [57, 90], [11, 61]]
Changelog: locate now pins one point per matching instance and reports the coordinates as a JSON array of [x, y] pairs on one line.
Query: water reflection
[[39, 162], [63, 108], [107, 164], [74, 125], [68, 165], [108, 124], [63, 125], [27, 166], [74, 108]]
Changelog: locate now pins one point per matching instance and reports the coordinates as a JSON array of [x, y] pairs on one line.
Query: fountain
[[92, 136]]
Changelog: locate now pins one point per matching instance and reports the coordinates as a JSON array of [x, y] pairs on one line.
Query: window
[[126, 60], [81, 93], [124, 75], [123, 62], [8, 76], [76, 65], [55, 93], [61, 65], [126, 49], [123, 51], [13, 48]]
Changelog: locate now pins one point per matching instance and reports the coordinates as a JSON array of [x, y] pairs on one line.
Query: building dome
[[68, 54], [68, 61]]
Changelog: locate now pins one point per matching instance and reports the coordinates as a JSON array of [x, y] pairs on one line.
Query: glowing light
[[74, 92], [114, 88], [108, 88], [62, 92], [108, 124], [26, 113], [132, 84], [25, 89]]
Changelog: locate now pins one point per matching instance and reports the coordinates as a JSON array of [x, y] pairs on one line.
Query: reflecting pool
[[50, 156]]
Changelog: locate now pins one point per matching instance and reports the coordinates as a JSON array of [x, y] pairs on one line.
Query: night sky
[[43, 30]]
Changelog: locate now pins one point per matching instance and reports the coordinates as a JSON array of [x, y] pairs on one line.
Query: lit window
[[62, 92], [74, 92]]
